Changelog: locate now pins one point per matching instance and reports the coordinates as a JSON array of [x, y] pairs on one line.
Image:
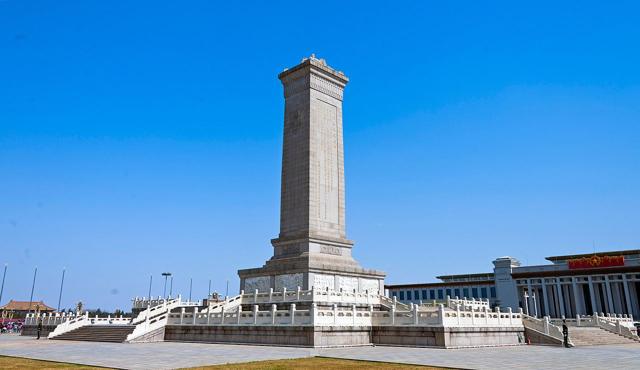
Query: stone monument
[[312, 249]]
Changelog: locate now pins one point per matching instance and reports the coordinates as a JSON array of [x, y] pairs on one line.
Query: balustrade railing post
[[222, 316], [546, 325], [578, 320], [499, 314], [181, 315], [393, 313], [353, 315], [416, 318], [448, 301], [274, 307], [270, 294], [458, 312], [335, 314], [313, 313], [293, 313], [195, 313], [510, 313], [255, 314], [298, 293], [284, 294], [239, 314], [441, 314]]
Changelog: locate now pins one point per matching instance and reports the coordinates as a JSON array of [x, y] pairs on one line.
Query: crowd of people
[[11, 327]]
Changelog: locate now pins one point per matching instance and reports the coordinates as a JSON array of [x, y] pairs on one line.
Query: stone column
[[612, 309], [627, 296], [560, 297], [592, 293], [579, 304], [545, 297]]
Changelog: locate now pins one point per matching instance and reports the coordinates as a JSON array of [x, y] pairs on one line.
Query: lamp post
[[3, 276], [166, 275], [171, 287], [190, 288], [526, 302], [150, 282], [35, 272], [61, 284]]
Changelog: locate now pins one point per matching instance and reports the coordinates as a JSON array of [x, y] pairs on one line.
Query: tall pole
[[35, 272], [61, 284], [171, 287], [150, 282], [227, 293], [209, 294], [3, 276], [164, 291], [190, 287]]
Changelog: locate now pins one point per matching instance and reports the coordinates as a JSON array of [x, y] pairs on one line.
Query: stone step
[[587, 336], [102, 333]]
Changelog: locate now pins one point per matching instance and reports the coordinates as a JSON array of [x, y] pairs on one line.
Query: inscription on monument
[[327, 249], [327, 156]]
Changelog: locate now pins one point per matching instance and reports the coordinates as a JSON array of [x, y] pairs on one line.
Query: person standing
[[565, 333], [39, 327]]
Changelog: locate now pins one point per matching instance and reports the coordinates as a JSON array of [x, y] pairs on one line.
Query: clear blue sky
[[141, 138]]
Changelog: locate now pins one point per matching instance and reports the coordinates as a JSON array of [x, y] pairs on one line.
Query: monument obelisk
[[312, 249]]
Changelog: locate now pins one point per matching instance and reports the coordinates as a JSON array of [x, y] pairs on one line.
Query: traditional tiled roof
[[24, 306]]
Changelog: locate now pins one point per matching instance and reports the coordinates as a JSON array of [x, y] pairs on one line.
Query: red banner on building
[[595, 262]]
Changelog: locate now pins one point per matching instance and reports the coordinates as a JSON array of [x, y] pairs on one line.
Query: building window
[[493, 292], [440, 294], [474, 292], [394, 293], [457, 292], [465, 292], [449, 292], [416, 295], [432, 294], [408, 295], [402, 295], [483, 291], [424, 294]]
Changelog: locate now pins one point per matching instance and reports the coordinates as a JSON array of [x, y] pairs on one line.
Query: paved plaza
[[168, 355]]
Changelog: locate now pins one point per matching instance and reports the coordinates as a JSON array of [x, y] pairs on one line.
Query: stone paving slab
[[162, 355], [625, 356], [168, 355]]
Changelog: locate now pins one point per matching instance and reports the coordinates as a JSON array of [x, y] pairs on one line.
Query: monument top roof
[[319, 64]]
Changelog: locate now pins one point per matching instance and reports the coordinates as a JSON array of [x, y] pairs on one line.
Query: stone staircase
[[591, 336], [98, 333]]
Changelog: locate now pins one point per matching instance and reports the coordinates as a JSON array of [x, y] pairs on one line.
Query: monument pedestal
[[312, 263]]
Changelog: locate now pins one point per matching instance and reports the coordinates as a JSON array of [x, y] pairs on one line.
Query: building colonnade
[[569, 296]]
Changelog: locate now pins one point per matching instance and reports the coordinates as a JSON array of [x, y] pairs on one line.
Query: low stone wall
[[337, 336], [446, 337], [299, 336], [32, 330]]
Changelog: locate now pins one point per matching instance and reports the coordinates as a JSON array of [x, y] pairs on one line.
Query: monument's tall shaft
[[312, 197], [312, 249]]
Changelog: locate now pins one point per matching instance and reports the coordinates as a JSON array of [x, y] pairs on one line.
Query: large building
[[607, 282]]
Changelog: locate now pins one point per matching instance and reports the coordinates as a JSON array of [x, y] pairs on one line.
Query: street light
[[166, 275]]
